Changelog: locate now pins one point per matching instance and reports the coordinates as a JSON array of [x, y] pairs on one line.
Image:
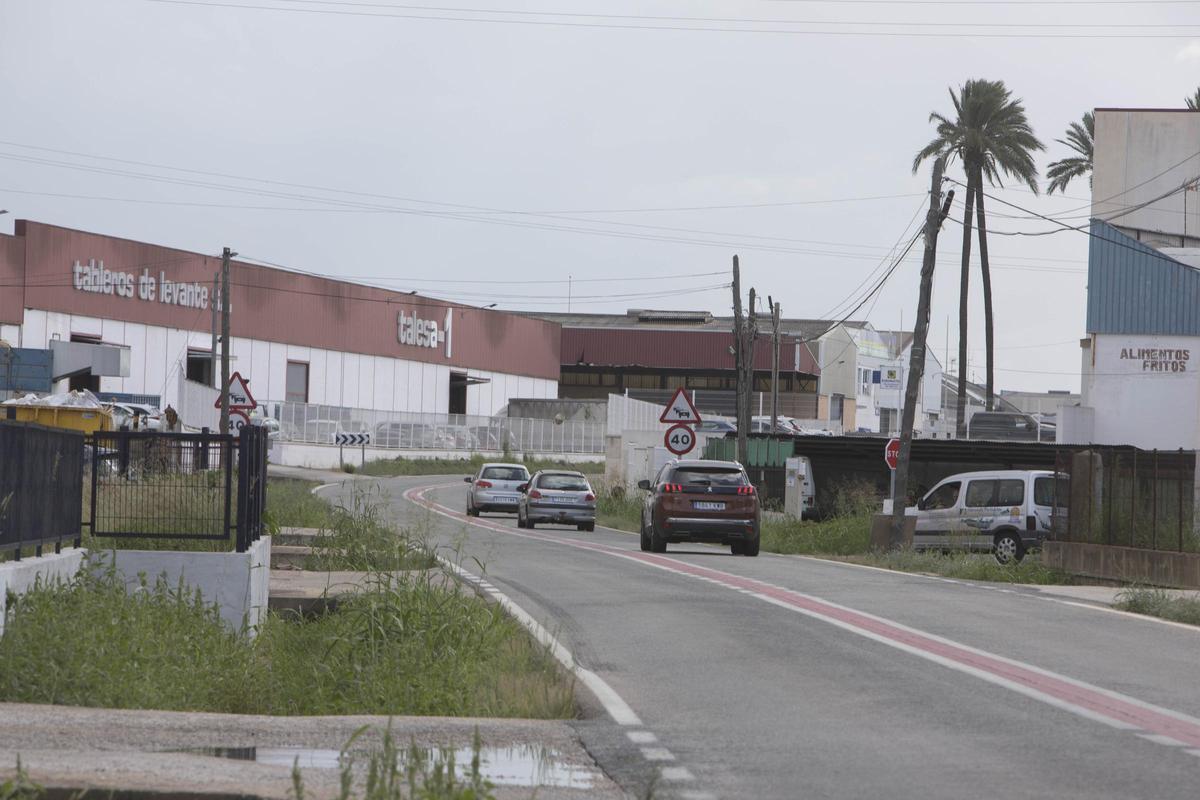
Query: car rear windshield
[[568, 483], [709, 476], [505, 474]]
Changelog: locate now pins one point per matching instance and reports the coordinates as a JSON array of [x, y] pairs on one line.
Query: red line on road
[[1111, 708]]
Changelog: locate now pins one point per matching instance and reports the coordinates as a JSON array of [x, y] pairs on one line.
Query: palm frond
[[1193, 102]]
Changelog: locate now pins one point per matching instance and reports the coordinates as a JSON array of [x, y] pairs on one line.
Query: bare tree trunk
[[988, 328], [964, 285]]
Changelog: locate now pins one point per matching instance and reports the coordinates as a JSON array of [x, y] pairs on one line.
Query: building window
[[297, 382], [864, 381], [200, 367]]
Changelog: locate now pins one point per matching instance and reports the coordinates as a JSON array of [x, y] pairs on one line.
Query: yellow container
[[88, 420]]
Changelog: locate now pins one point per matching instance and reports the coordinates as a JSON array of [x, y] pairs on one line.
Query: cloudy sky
[[618, 151]]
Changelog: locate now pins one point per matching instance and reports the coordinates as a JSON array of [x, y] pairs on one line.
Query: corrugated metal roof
[[673, 349], [643, 319], [1135, 289]]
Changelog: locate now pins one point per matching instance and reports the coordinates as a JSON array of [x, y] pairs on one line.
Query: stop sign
[[891, 453]]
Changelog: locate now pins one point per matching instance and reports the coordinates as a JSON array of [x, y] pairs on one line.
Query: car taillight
[[745, 490], [672, 488], [535, 494], [589, 497], [484, 484]]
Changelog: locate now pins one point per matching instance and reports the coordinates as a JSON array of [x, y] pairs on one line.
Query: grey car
[[496, 487], [558, 496]]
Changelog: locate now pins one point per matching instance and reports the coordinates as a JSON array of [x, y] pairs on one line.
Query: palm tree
[[1193, 102], [991, 135], [1081, 139]]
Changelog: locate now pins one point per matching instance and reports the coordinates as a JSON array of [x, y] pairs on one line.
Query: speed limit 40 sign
[[680, 439]]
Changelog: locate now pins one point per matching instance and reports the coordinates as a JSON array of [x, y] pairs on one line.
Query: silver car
[[558, 496], [496, 487]]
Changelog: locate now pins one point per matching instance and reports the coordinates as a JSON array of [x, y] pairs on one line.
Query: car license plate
[[563, 500], [705, 505], [506, 498]]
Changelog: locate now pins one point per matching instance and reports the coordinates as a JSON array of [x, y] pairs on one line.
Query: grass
[[356, 538], [1160, 603], [618, 509], [411, 643], [291, 504], [966, 566], [392, 467]]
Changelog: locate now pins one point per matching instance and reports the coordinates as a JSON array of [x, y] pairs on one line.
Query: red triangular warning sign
[[680, 409], [239, 393]]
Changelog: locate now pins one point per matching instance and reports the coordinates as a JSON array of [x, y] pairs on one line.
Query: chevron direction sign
[[352, 438]]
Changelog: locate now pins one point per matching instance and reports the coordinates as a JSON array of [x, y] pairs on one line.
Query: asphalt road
[[790, 677]]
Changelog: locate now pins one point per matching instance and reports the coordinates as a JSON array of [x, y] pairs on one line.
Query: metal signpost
[[891, 454], [360, 439]]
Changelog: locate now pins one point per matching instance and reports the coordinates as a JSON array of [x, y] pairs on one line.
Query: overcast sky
[[411, 134]]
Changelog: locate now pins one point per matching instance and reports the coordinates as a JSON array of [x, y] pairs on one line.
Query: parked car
[[716, 426], [135, 416], [1005, 512], [697, 500], [496, 487], [557, 496]]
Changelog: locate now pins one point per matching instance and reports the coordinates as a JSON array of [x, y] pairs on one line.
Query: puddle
[[525, 765]]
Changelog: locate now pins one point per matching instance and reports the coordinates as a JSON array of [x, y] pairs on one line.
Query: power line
[[678, 27], [686, 19]]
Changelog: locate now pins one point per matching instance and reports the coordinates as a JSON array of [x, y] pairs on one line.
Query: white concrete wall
[[1143, 402], [627, 414], [239, 583], [158, 357], [19, 577], [1132, 147], [837, 356]]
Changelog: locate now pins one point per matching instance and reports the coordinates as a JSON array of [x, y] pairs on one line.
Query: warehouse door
[[458, 393]]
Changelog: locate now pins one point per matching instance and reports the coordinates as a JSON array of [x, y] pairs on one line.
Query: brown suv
[[701, 501]]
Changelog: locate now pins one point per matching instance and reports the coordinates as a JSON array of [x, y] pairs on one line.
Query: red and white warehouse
[[297, 337]]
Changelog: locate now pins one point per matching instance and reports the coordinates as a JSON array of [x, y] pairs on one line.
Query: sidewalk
[[242, 755]]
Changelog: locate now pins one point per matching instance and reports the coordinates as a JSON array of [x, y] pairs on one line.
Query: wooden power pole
[[774, 364], [225, 306], [745, 328], [216, 335], [916, 360]]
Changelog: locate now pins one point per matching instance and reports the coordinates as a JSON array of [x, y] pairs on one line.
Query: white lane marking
[[1114, 717], [691, 795], [642, 737], [616, 707], [1158, 738], [677, 774], [657, 754], [1033, 595], [316, 489]]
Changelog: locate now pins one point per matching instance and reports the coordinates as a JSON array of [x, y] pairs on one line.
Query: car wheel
[[750, 546], [472, 511], [658, 542], [529, 523], [737, 548], [644, 539], [586, 526], [1009, 549], [520, 519]]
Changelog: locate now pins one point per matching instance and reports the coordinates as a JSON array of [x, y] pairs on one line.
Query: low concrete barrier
[[1156, 567], [239, 583], [18, 577]]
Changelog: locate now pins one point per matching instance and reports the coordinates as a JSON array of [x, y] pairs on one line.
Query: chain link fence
[[404, 430]]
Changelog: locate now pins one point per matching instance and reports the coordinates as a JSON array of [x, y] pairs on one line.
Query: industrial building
[[136, 319]]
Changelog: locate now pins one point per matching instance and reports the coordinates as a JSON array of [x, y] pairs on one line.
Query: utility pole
[[916, 364], [745, 329], [774, 363], [225, 307], [212, 372]]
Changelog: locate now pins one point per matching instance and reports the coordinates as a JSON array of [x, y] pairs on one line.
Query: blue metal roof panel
[[1135, 289]]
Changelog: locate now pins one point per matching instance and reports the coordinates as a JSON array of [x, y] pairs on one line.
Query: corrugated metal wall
[[1134, 289]]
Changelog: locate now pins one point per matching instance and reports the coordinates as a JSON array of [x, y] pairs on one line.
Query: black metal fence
[[41, 482], [1127, 497], [178, 486]]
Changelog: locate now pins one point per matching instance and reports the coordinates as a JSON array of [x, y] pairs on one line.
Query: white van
[[1004, 512]]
